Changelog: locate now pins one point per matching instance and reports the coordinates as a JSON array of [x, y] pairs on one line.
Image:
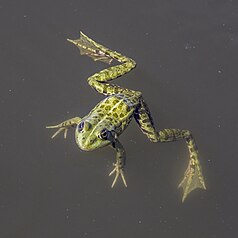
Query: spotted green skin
[[112, 113], [110, 117]]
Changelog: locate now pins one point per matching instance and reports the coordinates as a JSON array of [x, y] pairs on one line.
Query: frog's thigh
[[111, 89], [144, 119]]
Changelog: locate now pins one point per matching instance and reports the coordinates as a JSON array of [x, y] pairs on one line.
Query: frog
[[103, 125]]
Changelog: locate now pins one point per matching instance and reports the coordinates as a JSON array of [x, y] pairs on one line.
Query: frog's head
[[89, 137]]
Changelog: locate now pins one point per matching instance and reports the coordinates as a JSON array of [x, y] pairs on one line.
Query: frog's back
[[114, 112]]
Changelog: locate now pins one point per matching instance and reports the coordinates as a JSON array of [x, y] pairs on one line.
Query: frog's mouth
[[84, 146], [91, 144]]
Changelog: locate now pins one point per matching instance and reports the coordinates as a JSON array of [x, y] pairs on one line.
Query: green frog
[[110, 117]]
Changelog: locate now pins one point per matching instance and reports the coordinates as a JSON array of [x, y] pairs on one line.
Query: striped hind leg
[[193, 177], [100, 53]]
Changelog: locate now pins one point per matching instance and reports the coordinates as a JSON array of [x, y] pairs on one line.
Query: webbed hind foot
[[193, 178], [92, 49]]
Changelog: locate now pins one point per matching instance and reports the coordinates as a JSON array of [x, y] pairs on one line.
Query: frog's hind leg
[[144, 119], [100, 53], [193, 177]]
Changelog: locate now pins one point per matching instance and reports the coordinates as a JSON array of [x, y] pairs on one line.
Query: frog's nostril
[[91, 141], [87, 126]]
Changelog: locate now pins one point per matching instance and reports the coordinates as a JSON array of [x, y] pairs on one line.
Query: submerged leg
[[193, 177], [99, 52], [120, 162], [64, 126], [144, 119]]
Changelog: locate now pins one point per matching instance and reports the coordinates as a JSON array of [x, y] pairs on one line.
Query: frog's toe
[[119, 171], [58, 131], [192, 180]]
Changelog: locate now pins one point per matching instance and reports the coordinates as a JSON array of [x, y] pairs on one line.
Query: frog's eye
[[81, 126], [103, 134]]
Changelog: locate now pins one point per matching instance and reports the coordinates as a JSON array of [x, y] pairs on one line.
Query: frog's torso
[[114, 113], [109, 118]]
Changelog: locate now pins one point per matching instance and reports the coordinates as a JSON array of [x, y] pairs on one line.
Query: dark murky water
[[187, 70]]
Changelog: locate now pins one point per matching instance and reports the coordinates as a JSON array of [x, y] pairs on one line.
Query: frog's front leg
[[64, 126], [120, 162]]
